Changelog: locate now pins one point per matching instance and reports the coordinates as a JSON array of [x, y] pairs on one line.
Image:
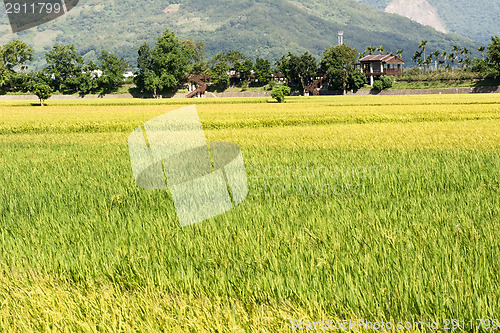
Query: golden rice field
[[379, 208]]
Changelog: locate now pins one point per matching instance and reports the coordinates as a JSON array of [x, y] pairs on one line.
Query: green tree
[[144, 65], [17, 53], [169, 60], [220, 76], [370, 49], [279, 92], [65, 67], [338, 63], [356, 80], [43, 91], [196, 56], [298, 69], [263, 72], [89, 80], [153, 82], [112, 69], [494, 54], [482, 49], [5, 72], [422, 46]]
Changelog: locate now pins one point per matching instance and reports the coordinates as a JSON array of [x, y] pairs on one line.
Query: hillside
[[477, 20], [259, 28]]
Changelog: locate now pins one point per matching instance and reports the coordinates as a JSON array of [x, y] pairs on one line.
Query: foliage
[[279, 92], [17, 53], [144, 64], [220, 76], [263, 72], [5, 73], [164, 67], [494, 54], [169, 60], [112, 69], [378, 85], [384, 82], [89, 80], [298, 69], [356, 80], [338, 63], [43, 91], [387, 81], [65, 67], [245, 68]]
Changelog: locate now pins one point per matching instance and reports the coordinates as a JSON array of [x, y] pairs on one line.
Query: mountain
[[258, 28], [477, 20]]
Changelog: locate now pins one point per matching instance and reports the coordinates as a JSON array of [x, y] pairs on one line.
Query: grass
[[385, 208]]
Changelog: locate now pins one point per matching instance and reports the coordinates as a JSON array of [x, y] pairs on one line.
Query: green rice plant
[[385, 208]]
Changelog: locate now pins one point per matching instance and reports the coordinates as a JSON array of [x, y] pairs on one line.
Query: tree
[[89, 79], [232, 57], [417, 57], [279, 92], [263, 72], [220, 76], [17, 53], [298, 69], [422, 45], [43, 91], [456, 54], [381, 49], [356, 80], [166, 65], [5, 72], [444, 54], [338, 63], [153, 82], [494, 54], [169, 60], [245, 69], [144, 64], [112, 69], [399, 53], [196, 56], [370, 49], [481, 49], [65, 67]]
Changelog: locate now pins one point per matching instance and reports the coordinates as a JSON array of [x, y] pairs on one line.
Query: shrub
[[244, 85], [279, 92], [378, 85], [387, 81], [356, 80]]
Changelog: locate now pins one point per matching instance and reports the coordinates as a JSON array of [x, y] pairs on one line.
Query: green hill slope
[[258, 28]]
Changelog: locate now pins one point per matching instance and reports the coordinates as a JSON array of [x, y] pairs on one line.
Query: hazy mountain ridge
[[258, 28], [477, 20]]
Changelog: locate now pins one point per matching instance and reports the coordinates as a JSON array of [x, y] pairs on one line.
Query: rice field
[[381, 208]]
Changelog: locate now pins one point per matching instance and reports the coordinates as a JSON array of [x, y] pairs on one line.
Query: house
[[278, 77], [375, 65]]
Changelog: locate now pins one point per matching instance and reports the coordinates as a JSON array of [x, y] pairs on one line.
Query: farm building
[[375, 65]]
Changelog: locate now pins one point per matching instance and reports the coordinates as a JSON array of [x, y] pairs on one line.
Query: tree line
[[167, 65]]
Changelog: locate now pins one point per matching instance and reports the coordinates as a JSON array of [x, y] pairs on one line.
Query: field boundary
[[434, 91]]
